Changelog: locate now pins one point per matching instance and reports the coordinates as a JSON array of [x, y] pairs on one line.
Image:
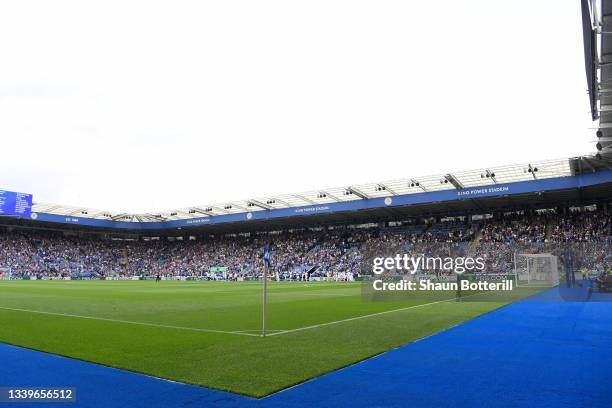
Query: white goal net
[[536, 269], [5, 273]]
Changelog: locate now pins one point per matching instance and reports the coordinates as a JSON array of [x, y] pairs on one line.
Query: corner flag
[[266, 256]]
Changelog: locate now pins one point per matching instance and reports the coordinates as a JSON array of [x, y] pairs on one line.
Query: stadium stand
[[334, 252]]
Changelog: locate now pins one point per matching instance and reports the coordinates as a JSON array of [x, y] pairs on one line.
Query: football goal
[[536, 269]]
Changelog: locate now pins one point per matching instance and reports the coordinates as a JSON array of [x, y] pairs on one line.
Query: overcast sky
[[143, 105]]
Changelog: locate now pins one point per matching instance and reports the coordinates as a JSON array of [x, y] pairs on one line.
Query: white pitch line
[[362, 317], [131, 322], [258, 330]]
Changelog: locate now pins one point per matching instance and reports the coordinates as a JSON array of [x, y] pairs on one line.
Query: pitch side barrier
[[502, 189]]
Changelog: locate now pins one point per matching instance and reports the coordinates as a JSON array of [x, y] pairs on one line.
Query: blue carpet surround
[[529, 354]]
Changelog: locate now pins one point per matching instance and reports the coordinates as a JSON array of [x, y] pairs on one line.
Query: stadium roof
[[597, 32], [406, 186]]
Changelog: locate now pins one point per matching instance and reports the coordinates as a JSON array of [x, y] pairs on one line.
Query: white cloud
[[138, 106]]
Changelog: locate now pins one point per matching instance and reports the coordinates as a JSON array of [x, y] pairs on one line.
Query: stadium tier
[[333, 252]]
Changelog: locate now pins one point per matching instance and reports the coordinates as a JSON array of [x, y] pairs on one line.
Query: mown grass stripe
[[165, 326]]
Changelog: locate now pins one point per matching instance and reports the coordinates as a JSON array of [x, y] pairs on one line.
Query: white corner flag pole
[[265, 293]]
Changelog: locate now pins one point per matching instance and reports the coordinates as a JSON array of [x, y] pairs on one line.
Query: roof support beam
[[454, 181], [283, 202], [532, 170], [272, 200], [489, 174], [384, 187], [418, 184], [358, 193], [223, 210], [153, 216], [301, 197], [326, 194], [201, 211], [588, 164], [260, 204]]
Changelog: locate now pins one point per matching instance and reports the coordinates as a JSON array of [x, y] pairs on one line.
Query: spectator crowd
[[339, 253]]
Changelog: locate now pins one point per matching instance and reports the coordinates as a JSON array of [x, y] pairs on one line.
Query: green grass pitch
[[207, 333]]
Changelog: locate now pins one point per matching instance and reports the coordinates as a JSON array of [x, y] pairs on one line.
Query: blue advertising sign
[[12, 203]]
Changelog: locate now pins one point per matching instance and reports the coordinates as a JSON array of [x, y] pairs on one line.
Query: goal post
[[536, 269], [5, 273]]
